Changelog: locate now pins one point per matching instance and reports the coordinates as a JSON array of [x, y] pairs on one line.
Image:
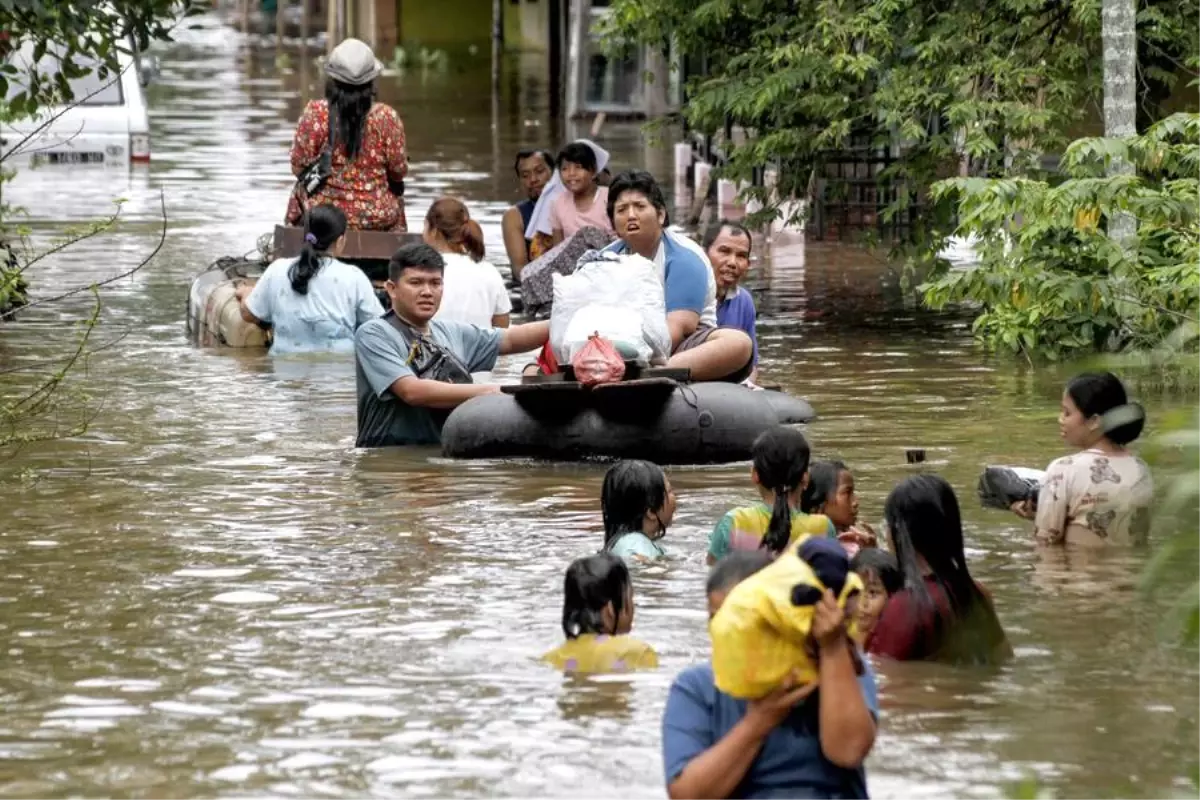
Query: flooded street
[[212, 593]]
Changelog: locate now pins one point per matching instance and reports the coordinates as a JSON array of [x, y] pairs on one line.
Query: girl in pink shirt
[[585, 203]]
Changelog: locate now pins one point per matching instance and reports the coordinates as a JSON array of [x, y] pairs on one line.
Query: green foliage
[[981, 85], [1174, 568], [1051, 282], [86, 35]]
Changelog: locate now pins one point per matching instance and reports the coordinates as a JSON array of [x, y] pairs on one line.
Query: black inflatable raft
[[653, 418]]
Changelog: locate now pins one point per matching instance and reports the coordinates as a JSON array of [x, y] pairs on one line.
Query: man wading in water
[[412, 370]]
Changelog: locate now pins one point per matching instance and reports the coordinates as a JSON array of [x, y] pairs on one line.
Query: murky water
[[212, 593]]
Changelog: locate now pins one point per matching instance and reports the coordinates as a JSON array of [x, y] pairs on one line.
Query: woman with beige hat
[[349, 149]]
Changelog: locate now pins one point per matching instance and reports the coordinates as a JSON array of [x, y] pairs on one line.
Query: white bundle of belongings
[[618, 296]]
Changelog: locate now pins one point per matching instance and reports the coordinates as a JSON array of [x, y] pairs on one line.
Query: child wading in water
[[881, 578], [597, 617], [780, 471], [638, 505], [830, 491]]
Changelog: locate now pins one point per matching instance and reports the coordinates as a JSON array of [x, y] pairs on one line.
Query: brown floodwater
[[211, 592]]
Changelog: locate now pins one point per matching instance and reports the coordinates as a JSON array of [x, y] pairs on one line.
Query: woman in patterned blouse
[[1100, 495], [368, 160]]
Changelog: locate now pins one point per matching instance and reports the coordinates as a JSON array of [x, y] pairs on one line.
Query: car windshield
[[88, 90]]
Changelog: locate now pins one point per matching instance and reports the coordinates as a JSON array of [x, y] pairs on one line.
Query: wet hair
[[822, 485], [591, 584], [631, 488], [780, 458], [348, 108], [414, 256], [734, 568], [923, 519], [1097, 394], [636, 180], [451, 220], [578, 153], [714, 230], [524, 154], [325, 224], [881, 563]]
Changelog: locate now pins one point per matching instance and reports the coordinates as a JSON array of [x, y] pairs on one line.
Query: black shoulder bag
[[428, 359], [314, 177]]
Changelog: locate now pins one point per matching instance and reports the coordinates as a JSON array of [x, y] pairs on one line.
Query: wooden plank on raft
[[373, 245]]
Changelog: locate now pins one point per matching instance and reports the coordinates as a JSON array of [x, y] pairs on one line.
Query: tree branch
[[96, 230], [161, 240]]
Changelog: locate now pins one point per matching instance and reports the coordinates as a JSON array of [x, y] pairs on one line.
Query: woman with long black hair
[[941, 614], [360, 159], [313, 302]]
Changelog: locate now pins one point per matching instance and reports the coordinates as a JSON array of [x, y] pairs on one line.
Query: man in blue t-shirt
[[727, 245], [638, 212], [798, 741], [396, 404]]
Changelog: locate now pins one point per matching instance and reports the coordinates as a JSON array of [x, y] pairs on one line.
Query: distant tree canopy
[[975, 87]]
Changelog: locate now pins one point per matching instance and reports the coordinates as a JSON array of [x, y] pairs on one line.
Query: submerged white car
[[106, 123]]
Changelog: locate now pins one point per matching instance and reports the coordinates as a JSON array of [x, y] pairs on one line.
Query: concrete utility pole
[[1118, 19], [497, 41], [580, 22]]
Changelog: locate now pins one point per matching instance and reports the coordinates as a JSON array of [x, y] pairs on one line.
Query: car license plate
[[69, 157]]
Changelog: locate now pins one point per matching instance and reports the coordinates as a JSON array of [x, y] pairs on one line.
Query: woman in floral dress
[[368, 160]]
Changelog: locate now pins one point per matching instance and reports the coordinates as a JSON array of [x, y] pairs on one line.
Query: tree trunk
[[1119, 31]]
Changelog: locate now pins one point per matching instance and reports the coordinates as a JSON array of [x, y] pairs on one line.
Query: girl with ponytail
[[472, 289], [941, 614], [780, 472], [597, 617], [313, 302]]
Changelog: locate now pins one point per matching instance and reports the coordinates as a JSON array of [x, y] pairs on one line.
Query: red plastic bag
[[598, 362]]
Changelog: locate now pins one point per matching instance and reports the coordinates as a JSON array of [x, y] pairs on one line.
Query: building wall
[[446, 24], [454, 24], [527, 24]]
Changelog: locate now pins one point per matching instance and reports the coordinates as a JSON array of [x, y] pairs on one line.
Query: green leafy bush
[[1050, 281]]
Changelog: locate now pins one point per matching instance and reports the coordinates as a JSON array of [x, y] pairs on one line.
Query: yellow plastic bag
[[760, 636]]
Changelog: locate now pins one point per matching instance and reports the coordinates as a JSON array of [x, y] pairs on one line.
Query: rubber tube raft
[[699, 423]]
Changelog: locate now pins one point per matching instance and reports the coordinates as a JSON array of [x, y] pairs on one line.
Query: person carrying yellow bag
[[761, 635], [799, 740]]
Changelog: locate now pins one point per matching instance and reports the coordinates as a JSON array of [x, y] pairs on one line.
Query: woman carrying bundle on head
[[1100, 495], [313, 302], [349, 149], [780, 472]]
